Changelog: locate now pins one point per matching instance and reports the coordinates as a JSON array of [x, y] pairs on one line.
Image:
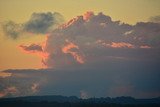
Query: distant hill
[[55, 98], [73, 101]]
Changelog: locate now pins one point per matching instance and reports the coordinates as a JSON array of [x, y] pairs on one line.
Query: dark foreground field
[[61, 101]]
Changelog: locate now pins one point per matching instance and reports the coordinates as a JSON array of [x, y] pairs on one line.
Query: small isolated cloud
[[39, 23], [31, 48], [12, 29], [43, 22], [36, 49], [84, 94], [34, 87]]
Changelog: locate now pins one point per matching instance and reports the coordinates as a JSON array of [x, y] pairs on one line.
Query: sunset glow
[[84, 48]]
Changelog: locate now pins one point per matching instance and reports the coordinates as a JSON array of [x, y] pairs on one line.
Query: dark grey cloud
[[110, 78], [98, 38], [43, 22], [12, 29], [145, 33], [39, 23], [119, 59], [32, 47], [20, 83], [92, 55]]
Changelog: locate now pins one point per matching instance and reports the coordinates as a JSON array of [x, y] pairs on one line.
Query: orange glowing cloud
[[145, 47], [84, 17], [34, 87], [68, 50], [36, 49], [88, 15], [70, 22], [33, 49], [9, 90], [89, 33], [115, 44], [2, 94], [121, 45], [4, 74]]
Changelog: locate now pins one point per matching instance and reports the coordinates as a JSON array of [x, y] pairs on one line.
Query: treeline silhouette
[[61, 101]]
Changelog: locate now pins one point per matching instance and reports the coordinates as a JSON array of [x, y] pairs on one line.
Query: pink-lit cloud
[[31, 48], [94, 36], [35, 87], [88, 15], [36, 49], [68, 50], [9, 91], [4, 74], [121, 45], [112, 57], [22, 82], [115, 44], [145, 47], [84, 94]]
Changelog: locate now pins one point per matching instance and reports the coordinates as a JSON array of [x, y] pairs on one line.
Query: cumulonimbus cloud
[[97, 37], [112, 57]]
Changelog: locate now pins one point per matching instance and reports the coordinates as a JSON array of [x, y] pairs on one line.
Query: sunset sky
[[86, 47], [19, 11]]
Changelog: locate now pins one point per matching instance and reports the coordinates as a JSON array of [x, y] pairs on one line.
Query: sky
[[84, 48], [19, 11]]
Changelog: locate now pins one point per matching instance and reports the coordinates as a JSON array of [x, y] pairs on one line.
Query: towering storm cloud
[[90, 55], [90, 38]]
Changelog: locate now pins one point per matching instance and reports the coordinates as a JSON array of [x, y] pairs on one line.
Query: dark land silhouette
[[72, 101]]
